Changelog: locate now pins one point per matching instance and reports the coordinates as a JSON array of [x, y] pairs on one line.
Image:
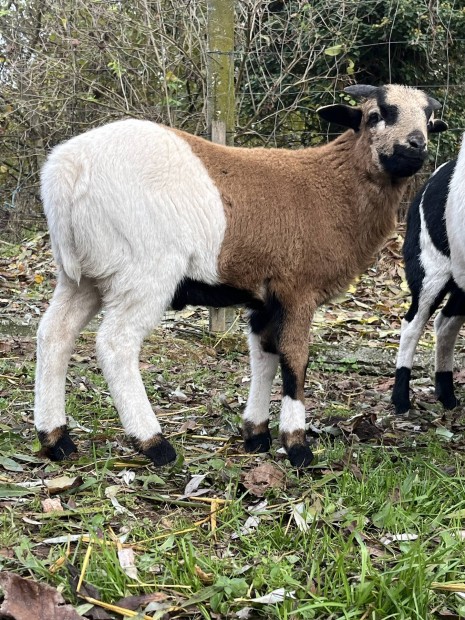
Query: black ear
[[437, 126], [434, 103], [360, 90], [344, 115]]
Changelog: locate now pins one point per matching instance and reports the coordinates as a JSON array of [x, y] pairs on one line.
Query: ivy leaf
[[335, 50]]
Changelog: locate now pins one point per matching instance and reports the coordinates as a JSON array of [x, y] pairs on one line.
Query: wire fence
[[69, 65]]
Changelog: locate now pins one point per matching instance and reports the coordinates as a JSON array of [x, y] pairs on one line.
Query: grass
[[367, 533]]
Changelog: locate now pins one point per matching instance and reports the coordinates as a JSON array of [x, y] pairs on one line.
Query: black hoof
[[300, 455], [258, 443], [400, 394], [449, 402], [57, 445], [402, 406], [445, 390], [161, 452]]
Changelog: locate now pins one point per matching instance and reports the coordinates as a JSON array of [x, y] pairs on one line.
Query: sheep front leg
[[263, 365], [293, 355]]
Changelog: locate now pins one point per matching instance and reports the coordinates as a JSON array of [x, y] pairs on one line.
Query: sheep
[[143, 216], [429, 269]]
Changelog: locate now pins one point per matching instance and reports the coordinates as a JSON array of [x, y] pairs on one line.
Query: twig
[[121, 610], [206, 499], [84, 567], [213, 514]]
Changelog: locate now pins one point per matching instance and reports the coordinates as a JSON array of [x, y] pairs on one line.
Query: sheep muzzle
[[405, 161]]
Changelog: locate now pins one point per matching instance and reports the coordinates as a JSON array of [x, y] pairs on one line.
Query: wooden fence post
[[220, 103]]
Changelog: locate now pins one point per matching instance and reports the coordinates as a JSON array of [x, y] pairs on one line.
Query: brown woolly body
[[302, 222]]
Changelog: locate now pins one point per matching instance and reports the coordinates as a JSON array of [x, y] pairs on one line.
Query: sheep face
[[396, 120]]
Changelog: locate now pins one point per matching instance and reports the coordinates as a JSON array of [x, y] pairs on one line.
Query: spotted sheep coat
[[143, 217], [434, 255]]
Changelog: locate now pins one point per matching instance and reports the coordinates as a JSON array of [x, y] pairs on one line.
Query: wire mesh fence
[[69, 65]]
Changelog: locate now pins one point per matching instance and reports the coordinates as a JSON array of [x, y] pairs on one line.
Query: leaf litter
[[199, 400]]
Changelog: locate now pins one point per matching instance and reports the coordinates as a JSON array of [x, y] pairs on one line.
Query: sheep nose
[[417, 140]]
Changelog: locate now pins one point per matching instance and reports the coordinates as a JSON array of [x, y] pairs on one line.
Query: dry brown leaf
[[189, 425], [262, 478], [363, 425], [205, 578], [134, 603], [24, 599], [51, 504]]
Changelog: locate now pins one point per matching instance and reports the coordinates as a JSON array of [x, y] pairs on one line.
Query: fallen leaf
[[127, 476], [205, 578], [179, 395], [51, 504], [63, 483], [14, 490], [10, 464], [24, 599], [390, 538], [277, 596], [444, 432], [249, 526], [111, 492], [193, 484], [135, 603], [189, 425], [263, 477], [126, 559], [31, 521]]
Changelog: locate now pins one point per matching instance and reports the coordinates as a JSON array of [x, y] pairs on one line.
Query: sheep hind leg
[[264, 364], [129, 317], [447, 326], [424, 303], [71, 308]]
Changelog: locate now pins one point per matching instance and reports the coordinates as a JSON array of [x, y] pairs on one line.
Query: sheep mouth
[[404, 161]]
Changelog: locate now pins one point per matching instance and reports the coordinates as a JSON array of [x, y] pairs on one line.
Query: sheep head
[[396, 120]]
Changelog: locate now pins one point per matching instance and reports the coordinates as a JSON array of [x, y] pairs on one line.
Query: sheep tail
[[64, 179]]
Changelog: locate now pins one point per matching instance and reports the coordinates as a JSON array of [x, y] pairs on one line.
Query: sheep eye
[[374, 118]]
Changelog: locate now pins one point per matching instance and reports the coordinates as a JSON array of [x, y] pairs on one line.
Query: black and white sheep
[[142, 217], [429, 273]]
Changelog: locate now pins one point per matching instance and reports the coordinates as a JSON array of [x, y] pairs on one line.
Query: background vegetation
[[68, 65], [374, 530]]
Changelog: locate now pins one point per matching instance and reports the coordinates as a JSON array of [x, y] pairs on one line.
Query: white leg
[[263, 368], [447, 329], [292, 418], [71, 308], [129, 317], [425, 302]]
